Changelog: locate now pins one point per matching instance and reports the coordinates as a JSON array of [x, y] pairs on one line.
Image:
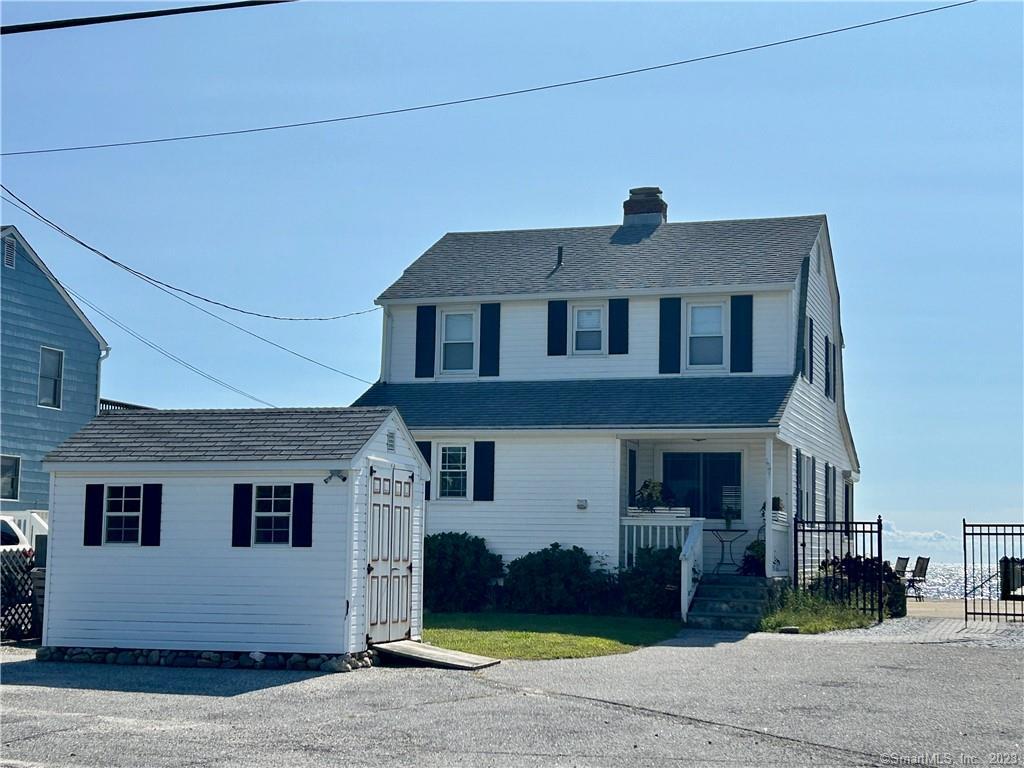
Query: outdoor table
[[726, 536]]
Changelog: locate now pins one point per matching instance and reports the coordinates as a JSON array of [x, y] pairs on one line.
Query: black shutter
[[810, 349], [828, 368], [424, 446], [669, 330], [828, 495], [814, 488], [152, 503], [241, 516], [799, 484], [835, 371], [558, 327], [741, 334], [483, 470], [302, 515], [631, 491], [426, 327], [93, 536], [618, 326], [490, 338]]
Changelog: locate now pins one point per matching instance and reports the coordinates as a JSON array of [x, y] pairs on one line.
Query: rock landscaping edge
[[141, 657]]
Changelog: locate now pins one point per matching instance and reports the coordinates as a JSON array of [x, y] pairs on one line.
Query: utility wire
[[488, 97], [149, 278], [214, 315], [43, 26]]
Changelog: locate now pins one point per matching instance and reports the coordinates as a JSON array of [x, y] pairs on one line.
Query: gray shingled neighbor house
[[271, 530], [548, 374]]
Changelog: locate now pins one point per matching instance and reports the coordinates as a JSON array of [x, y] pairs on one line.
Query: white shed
[[277, 530]]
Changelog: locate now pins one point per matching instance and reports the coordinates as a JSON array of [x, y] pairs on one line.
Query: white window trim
[[106, 498], [39, 375], [291, 511], [468, 372], [468, 498], [687, 306], [17, 497], [602, 307]]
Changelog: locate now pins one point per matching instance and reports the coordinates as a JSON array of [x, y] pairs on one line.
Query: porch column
[[769, 549]]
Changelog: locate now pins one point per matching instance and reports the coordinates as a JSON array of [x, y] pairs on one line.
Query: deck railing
[[32, 523], [659, 530]]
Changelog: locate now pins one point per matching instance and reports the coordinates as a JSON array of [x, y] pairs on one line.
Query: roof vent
[[9, 252], [644, 206]]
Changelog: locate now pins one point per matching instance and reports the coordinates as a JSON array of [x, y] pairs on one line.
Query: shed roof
[[252, 434], [635, 257], [696, 402]]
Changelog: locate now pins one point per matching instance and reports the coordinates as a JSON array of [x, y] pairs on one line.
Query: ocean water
[[946, 582]]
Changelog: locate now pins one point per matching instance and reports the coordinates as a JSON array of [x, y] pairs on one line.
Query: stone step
[[742, 622], [734, 579], [731, 592], [727, 606]]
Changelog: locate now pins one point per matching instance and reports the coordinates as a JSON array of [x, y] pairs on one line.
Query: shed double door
[[389, 572]]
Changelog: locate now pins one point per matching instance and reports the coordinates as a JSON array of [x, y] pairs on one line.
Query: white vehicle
[[11, 536]]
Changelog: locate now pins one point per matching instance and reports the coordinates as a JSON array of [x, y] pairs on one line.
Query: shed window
[[11, 477], [705, 336], [272, 514], [453, 476], [123, 514], [457, 340], [587, 330], [51, 376]]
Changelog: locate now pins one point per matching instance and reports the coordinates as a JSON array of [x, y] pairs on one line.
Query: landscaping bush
[[556, 580], [753, 559], [651, 586], [458, 571]]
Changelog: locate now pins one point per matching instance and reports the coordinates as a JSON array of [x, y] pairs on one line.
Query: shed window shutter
[[618, 326], [483, 470], [424, 446], [669, 330], [558, 327], [93, 535], [302, 515], [741, 334], [152, 503], [241, 516], [490, 339], [426, 327], [799, 484]]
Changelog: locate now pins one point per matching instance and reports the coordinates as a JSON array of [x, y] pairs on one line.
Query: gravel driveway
[[704, 699]]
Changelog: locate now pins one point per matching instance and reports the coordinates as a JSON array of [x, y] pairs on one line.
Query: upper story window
[[10, 478], [457, 342], [272, 514], [453, 475], [705, 340], [123, 514], [51, 377], [587, 330]]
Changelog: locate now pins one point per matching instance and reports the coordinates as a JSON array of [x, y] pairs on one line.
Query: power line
[[43, 26], [214, 315], [149, 278], [488, 97]]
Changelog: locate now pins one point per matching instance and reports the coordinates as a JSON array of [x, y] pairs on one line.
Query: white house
[[546, 374], [282, 530]]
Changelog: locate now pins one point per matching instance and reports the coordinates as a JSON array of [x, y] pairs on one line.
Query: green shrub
[[555, 580], [753, 559], [458, 571], [651, 586]]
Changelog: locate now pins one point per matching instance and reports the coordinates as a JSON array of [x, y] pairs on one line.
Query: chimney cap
[[645, 192], [645, 206]]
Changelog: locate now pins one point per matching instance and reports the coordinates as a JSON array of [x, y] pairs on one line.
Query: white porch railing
[[31, 522], [660, 530], [691, 561]]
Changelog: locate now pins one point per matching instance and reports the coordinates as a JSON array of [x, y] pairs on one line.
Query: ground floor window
[[10, 481], [708, 483], [123, 514], [453, 475], [272, 514]]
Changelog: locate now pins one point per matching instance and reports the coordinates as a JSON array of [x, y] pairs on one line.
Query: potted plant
[[650, 495], [728, 515]]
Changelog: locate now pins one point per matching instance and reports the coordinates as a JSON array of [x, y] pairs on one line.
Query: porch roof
[[696, 402]]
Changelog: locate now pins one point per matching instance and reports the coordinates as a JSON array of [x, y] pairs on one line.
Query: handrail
[[691, 562]]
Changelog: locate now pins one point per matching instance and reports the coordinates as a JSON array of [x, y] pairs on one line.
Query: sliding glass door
[[707, 483]]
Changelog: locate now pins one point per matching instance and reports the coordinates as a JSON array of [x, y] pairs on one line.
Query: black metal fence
[[841, 562], [994, 571], [16, 598]]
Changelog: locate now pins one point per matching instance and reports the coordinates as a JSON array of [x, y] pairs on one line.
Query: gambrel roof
[[667, 256]]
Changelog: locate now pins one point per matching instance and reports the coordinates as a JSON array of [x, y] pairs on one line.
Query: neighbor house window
[[11, 477], [272, 514], [123, 514], [705, 335], [453, 476], [51, 376], [710, 484], [457, 353], [587, 330]]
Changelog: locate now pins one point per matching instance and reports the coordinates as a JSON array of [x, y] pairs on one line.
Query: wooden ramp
[[432, 656]]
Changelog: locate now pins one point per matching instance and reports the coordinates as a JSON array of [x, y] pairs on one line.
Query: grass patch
[[542, 636], [813, 615]]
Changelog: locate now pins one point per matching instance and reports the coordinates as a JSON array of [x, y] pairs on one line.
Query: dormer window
[[705, 341], [588, 330], [457, 342]]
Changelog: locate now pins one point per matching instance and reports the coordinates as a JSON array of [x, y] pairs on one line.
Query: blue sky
[[908, 135]]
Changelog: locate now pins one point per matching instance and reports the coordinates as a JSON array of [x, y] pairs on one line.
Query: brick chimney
[[645, 207]]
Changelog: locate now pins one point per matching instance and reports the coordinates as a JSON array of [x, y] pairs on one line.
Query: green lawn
[[537, 636], [814, 616]]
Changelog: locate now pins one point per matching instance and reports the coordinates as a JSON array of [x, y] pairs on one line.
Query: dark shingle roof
[[598, 403], [254, 434], [674, 255]]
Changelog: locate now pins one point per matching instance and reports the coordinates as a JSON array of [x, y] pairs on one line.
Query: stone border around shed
[[142, 657]]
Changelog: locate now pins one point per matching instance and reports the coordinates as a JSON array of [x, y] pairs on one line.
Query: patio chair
[[918, 577], [901, 567]]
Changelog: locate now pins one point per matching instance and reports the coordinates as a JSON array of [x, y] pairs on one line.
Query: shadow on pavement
[[705, 638]]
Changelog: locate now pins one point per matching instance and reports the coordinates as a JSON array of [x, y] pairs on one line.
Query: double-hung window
[[123, 514], [272, 514], [457, 342], [10, 481], [705, 336], [453, 475], [587, 330], [51, 377]]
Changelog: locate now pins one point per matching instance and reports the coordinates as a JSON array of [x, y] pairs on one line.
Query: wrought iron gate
[[994, 571]]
